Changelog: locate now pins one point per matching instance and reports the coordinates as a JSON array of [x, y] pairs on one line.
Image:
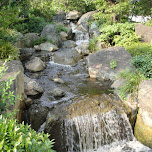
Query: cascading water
[[80, 36], [85, 119]]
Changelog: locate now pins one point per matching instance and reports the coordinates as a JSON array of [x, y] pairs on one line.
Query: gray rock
[[28, 102], [58, 80], [67, 56], [63, 36], [83, 49], [99, 63], [73, 15], [37, 115], [69, 44], [37, 48], [26, 53], [144, 31], [144, 99], [15, 70], [57, 92], [83, 27], [143, 127], [60, 17], [35, 65], [48, 47], [28, 39], [31, 87], [51, 33], [87, 17]]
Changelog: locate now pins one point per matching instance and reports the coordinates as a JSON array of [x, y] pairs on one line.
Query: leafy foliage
[[20, 137], [111, 11], [143, 63], [149, 23], [121, 34], [35, 24], [92, 44], [8, 51], [133, 79], [140, 49], [113, 64], [79, 5]]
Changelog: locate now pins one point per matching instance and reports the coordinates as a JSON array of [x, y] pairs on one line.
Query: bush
[[92, 44], [20, 137], [139, 49], [149, 23], [8, 35], [120, 34], [35, 24], [143, 63], [133, 79], [8, 51], [61, 28]]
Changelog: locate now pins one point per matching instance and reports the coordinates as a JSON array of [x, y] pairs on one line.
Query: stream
[[88, 117]]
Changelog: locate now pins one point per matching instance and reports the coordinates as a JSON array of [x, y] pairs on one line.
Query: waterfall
[[94, 131], [80, 37]]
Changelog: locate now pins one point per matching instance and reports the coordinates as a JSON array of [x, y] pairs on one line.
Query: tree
[[112, 10]]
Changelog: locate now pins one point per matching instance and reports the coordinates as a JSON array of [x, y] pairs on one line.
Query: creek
[[89, 117]]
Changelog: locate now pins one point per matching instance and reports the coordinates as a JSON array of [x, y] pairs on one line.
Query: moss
[[143, 133]]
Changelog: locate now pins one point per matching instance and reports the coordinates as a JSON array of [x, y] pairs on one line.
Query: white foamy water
[[80, 37], [140, 19]]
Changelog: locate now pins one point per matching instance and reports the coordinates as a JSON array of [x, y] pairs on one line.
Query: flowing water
[[88, 118]]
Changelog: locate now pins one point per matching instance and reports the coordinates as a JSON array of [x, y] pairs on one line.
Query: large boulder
[[37, 115], [73, 15], [57, 92], [63, 36], [99, 63], [48, 47], [60, 17], [31, 87], [35, 65], [87, 17], [51, 33], [26, 53], [144, 31], [15, 70], [69, 44], [83, 49], [67, 56], [143, 127], [29, 39]]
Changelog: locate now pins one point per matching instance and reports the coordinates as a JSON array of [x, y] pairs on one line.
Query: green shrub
[[149, 23], [113, 64], [92, 44], [61, 28], [120, 34], [133, 79], [8, 35], [39, 41], [139, 49], [16, 137], [45, 12], [143, 63], [8, 51], [35, 24]]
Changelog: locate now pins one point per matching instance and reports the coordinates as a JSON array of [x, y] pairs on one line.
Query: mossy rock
[[142, 132]]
